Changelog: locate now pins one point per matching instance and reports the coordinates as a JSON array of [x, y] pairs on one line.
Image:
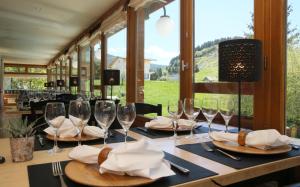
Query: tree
[[293, 35]]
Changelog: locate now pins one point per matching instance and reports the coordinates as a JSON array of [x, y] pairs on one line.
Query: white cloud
[[159, 53]]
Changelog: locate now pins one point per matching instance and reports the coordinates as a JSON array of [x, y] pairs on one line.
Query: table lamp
[[60, 83], [240, 60], [111, 77], [74, 82]]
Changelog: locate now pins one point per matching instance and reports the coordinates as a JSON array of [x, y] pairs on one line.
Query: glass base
[[54, 150]]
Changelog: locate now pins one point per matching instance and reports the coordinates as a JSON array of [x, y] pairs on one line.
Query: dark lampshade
[[111, 77], [46, 84], [60, 83], [74, 81], [51, 84], [240, 60]]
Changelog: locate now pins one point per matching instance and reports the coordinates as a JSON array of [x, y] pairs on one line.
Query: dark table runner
[[247, 160], [163, 134], [114, 138], [41, 175]]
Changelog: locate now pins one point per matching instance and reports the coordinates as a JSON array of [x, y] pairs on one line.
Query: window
[[293, 69], [12, 69], [161, 64], [85, 69], [116, 59], [37, 70], [97, 69], [217, 21], [74, 71]]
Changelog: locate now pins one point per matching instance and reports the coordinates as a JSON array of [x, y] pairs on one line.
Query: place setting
[[242, 150], [123, 165], [71, 131], [173, 125]]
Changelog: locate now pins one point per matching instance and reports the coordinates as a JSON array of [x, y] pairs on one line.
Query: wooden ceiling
[[34, 31]]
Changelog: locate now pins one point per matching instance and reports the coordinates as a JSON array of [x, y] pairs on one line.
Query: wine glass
[[209, 110], [226, 109], [191, 110], [105, 113], [55, 115], [79, 114], [175, 109], [126, 115]]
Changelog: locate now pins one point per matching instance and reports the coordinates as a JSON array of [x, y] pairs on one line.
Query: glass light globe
[[98, 54], [164, 25]]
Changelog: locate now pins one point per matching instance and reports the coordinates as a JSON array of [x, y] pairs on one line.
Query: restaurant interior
[[150, 93]]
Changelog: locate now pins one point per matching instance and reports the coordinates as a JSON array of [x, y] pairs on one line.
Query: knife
[[229, 155], [179, 168], [206, 147], [41, 140]]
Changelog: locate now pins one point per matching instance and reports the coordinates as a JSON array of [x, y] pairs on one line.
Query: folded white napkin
[[134, 159], [68, 130], [164, 122], [261, 139], [57, 122]]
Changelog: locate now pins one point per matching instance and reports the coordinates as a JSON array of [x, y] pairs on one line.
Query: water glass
[[191, 109], [79, 114], [175, 109], [126, 115], [105, 113], [55, 115], [226, 109], [209, 110]]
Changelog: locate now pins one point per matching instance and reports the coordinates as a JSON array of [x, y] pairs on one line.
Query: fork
[[57, 171]]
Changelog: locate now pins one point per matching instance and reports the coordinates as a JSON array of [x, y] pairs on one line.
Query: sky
[[213, 19]]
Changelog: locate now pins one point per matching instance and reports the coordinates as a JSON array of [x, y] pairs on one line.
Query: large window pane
[[85, 70], [217, 21], [97, 69], [116, 59], [293, 69], [161, 65]]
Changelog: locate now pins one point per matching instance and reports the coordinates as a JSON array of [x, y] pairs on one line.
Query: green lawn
[[160, 92]]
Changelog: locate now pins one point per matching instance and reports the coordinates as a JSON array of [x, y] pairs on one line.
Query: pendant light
[[165, 24]]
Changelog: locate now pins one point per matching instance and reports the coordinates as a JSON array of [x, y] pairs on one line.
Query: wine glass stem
[[226, 125], [175, 128], [126, 132], [209, 127], [79, 138], [105, 135]]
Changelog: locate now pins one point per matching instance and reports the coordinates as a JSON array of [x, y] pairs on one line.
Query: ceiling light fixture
[[165, 24]]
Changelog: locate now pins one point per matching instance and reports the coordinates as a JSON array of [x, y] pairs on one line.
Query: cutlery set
[[57, 171]]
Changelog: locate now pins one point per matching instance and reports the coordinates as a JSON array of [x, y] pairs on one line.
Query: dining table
[[206, 170]]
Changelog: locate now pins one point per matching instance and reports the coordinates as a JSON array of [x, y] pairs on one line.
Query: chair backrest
[[145, 108]]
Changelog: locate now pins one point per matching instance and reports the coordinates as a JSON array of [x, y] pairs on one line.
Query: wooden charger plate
[[170, 129], [73, 139], [235, 147], [88, 174]]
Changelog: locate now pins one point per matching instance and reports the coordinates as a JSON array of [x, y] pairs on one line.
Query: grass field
[[160, 92]]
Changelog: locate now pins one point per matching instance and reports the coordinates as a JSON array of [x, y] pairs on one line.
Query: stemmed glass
[[191, 110], [55, 115], [175, 109], [126, 115], [209, 110], [79, 114], [105, 113], [226, 108]]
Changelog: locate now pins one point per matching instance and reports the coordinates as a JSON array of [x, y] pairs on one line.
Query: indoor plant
[[22, 139]]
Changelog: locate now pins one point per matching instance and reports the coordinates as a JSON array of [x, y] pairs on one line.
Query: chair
[[145, 108]]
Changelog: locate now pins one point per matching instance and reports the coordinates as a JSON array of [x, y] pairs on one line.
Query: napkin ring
[[103, 155], [242, 138]]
